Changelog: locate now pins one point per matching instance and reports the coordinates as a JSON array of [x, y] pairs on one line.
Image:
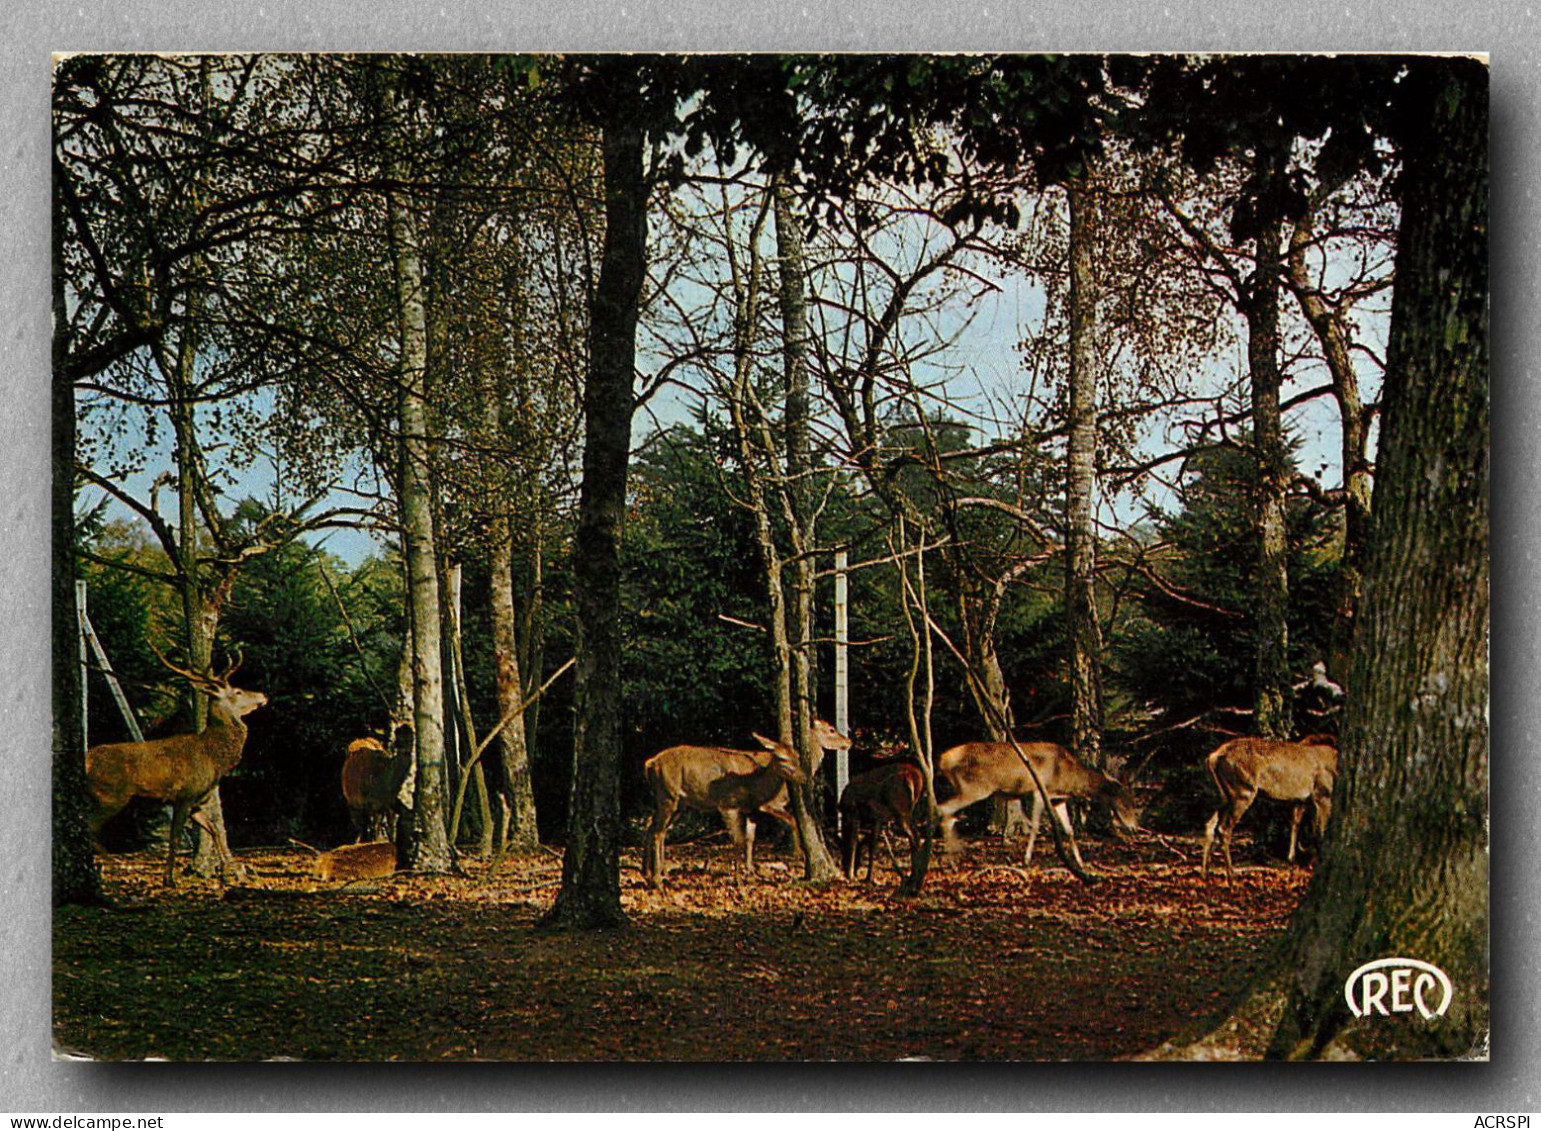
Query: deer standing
[[978, 770], [1298, 773], [733, 782], [181, 770], [371, 781], [873, 800]]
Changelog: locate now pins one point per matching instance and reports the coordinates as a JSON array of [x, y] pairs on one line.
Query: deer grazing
[[736, 783], [1298, 773], [181, 770], [870, 802], [977, 770], [371, 780]]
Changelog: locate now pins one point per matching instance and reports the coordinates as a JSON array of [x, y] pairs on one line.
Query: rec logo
[[1397, 985]]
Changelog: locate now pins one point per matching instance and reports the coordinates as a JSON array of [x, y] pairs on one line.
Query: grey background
[[31, 1081]]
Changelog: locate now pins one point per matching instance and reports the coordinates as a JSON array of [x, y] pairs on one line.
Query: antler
[[230, 671], [204, 679]]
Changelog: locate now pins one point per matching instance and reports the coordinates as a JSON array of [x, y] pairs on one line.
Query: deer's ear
[[768, 743]]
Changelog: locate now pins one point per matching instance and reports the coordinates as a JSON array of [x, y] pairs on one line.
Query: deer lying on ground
[[371, 780], [351, 862], [975, 771], [873, 800], [181, 770], [736, 783], [1299, 773]]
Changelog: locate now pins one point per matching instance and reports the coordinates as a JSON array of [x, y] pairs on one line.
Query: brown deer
[[977, 770], [181, 770], [1298, 773], [371, 780], [871, 801], [736, 783]]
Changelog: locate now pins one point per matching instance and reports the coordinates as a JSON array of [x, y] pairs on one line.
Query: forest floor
[[991, 962]]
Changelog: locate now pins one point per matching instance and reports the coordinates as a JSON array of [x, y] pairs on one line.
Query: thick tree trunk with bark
[[1262, 314], [430, 849], [1404, 866], [590, 896], [1085, 631], [75, 876]]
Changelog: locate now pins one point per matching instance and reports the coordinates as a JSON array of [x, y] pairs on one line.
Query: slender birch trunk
[[430, 849]]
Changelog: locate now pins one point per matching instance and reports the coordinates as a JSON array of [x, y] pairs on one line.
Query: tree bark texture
[[1262, 315], [1404, 865], [590, 896], [793, 296], [1085, 631], [201, 605], [75, 876], [430, 849], [517, 819]]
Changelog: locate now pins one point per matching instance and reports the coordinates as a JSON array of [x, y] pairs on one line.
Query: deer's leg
[[747, 828], [849, 846], [1239, 806], [1230, 866], [947, 813], [780, 813], [1322, 803], [227, 863], [1209, 839], [179, 813], [888, 847], [907, 823], [1062, 812], [662, 815], [1033, 822], [1296, 812]]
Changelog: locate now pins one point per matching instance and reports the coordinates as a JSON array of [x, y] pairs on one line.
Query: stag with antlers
[[181, 770]]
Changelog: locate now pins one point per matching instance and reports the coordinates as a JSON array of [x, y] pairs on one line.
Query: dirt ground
[[991, 963]]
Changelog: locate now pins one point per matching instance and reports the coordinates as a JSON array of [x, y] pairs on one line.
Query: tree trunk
[[793, 275], [472, 776], [75, 876], [532, 640], [1331, 333], [977, 613], [793, 297], [201, 602], [1262, 313], [1404, 867], [516, 799], [590, 896], [517, 816], [1085, 631], [430, 849]]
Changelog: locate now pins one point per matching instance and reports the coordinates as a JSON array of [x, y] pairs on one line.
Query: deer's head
[[237, 702]]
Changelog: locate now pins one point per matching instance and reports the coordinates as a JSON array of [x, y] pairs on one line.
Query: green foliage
[[690, 559], [1181, 659], [130, 611], [322, 692], [283, 620]]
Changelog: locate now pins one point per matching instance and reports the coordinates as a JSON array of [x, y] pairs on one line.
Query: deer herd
[[182, 771]]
